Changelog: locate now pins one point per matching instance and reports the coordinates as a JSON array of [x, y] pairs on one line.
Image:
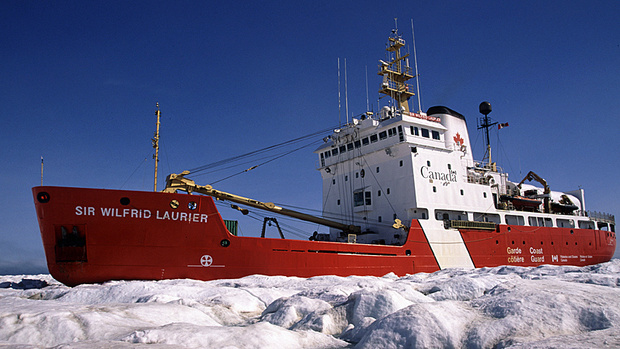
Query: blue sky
[[80, 80]]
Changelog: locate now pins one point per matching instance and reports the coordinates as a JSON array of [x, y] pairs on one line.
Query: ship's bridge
[[367, 135]]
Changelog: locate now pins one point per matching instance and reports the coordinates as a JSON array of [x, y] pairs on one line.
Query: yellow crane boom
[[176, 182]]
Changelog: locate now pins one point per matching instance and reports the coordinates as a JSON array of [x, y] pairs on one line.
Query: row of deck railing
[[601, 216]]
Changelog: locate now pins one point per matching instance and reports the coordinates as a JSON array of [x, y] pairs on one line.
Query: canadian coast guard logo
[[458, 140]]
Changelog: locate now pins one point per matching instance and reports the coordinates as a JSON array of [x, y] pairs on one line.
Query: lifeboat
[[521, 202]]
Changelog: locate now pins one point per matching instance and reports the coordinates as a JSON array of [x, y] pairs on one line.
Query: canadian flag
[[501, 126]]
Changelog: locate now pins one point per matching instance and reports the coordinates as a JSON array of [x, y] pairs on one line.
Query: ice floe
[[542, 307]]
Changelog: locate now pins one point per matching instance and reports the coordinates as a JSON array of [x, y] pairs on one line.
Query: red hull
[[97, 235]]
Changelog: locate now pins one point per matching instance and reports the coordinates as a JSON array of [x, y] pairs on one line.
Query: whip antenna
[[417, 76]]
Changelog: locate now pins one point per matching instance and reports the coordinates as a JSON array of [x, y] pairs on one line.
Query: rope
[[266, 162], [255, 152]]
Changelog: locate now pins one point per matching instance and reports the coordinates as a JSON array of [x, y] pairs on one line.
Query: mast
[[485, 109], [396, 72], [339, 108], [155, 141]]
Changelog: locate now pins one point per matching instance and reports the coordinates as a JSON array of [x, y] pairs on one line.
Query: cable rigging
[[199, 169]]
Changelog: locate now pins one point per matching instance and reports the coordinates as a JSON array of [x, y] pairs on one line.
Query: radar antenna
[[485, 123]]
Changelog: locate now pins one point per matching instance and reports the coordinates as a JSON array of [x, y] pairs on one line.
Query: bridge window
[[365, 141], [382, 135], [425, 133], [373, 138], [415, 131], [436, 135]]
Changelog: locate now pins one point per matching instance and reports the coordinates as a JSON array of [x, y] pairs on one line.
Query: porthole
[[408, 252], [43, 197], [174, 204], [125, 201], [509, 229], [192, 205], [225, 243]]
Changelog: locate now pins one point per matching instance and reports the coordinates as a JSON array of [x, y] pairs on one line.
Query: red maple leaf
[[458, 140]]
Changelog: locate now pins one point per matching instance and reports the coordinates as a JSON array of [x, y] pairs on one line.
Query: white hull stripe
[[447, 245]]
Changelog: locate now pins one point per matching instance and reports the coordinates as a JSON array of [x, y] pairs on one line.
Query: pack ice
[[502, 307]]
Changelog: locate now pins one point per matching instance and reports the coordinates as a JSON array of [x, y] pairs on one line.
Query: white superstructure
[[401, 165]]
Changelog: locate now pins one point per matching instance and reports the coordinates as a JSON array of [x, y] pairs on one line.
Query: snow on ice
[[543, 307]]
